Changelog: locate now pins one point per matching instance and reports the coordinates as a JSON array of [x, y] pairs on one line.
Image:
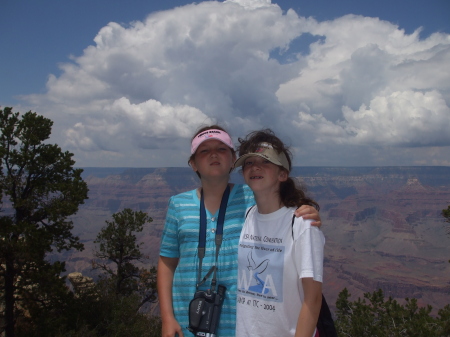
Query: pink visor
[[211, 134]]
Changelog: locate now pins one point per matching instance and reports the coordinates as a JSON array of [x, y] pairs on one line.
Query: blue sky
[[45, 47]]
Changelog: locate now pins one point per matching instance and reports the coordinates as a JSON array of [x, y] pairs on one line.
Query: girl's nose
[[256, 165]]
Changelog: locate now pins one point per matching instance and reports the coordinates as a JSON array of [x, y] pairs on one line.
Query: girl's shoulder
[[183, 197], [301, 226]]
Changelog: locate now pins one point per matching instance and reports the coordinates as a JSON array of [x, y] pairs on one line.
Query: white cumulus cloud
[[401, 119], [136, 95]]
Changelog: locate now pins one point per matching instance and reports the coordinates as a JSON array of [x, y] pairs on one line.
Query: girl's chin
[[216, 172]]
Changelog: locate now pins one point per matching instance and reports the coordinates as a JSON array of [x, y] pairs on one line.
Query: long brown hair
[[291, 193]]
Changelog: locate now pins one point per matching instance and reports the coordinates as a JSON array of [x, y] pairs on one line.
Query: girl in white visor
[[280, 268]]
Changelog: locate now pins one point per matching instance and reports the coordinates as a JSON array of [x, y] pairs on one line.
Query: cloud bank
[[362, 93]]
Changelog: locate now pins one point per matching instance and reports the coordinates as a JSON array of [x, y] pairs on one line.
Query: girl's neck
[[212, 193], [214, 187], [268, 203]]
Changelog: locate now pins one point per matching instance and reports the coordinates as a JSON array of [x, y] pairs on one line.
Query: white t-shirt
[[273, 257]]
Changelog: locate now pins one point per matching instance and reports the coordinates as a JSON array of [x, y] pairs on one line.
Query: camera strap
[[218, 238]]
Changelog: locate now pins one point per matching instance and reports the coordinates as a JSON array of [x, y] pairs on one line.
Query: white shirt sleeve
[[308, 250]]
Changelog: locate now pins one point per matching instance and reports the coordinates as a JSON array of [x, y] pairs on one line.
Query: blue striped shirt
[[180, 240]]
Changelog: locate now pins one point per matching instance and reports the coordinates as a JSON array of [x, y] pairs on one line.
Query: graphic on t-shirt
[[257, 269], [262, 274]]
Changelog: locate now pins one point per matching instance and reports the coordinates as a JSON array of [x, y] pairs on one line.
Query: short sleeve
[[308, 250], [169, 241]]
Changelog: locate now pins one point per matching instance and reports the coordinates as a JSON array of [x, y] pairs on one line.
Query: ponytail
[[293, 195]]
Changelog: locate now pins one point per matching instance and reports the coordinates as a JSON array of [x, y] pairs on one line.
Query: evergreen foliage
[[118, 304], [446, 215], [39, 190], [376, 317], [101, 312], [119, 252]]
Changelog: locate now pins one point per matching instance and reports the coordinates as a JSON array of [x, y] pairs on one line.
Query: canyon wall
[[383, 226]]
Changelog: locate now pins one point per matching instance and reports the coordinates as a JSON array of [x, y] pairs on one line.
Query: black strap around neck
[[218, 238]]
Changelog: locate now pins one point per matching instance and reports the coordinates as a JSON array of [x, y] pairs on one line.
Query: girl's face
[[262, 175], [213, 158]]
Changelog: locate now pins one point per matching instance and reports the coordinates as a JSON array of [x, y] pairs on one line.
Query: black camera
[[204, 312]]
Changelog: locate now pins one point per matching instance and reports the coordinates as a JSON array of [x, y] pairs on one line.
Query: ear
[[193, 166], [283, 176]]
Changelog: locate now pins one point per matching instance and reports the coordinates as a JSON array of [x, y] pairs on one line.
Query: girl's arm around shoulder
[[309, 213], [306, 227], [307, 320]]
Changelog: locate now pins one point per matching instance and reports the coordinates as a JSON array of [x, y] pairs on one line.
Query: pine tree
[[39, 190], [118, 254], [379, 317]]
